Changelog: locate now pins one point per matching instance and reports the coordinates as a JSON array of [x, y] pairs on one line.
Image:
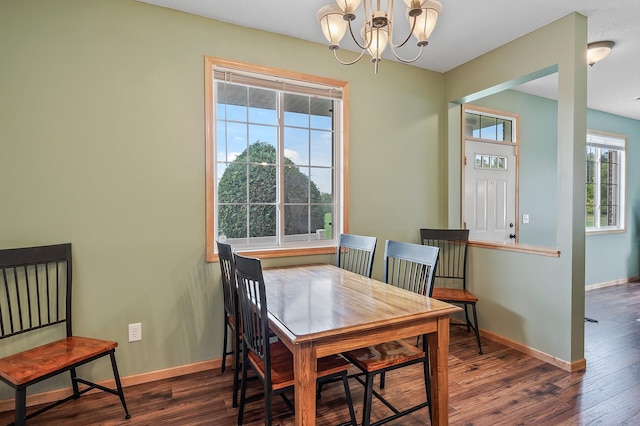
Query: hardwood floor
[[501, 387]]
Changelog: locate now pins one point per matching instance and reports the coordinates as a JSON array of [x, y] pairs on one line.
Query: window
[[488, 161], [488, 126], [275, 160], [605, 181]]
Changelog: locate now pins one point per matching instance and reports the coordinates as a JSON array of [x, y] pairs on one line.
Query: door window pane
[[488, 127]]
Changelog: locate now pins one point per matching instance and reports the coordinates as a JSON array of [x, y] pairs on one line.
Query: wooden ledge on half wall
[[520, 248]]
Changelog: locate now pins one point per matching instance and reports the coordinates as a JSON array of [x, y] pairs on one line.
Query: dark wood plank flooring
[[501, 387]]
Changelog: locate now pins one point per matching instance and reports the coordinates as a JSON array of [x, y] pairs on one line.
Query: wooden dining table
[[320, 310]]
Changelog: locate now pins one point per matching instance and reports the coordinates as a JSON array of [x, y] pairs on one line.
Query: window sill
[[605, 231], [519, 248], [285, 252]]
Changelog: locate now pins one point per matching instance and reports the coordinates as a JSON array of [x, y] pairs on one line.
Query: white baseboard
[[612, 283]]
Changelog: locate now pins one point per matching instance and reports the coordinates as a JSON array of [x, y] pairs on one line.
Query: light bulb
[[349, 6], [376, 39], [426, 21], [333, 24], [414, 6]]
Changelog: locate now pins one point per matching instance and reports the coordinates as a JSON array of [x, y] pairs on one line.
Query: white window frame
[[281, 81], [606, 140]]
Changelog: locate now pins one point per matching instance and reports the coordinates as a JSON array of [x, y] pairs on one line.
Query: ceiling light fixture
[[598, 50], [377, 30]]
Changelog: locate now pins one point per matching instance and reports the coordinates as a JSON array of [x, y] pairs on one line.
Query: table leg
[[304, 368], [439, 360]]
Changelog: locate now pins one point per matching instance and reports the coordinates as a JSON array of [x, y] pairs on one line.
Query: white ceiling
[[467, 29]]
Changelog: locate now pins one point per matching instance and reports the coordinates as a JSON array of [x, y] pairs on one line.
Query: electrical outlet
[[525, 218], [135, 332]]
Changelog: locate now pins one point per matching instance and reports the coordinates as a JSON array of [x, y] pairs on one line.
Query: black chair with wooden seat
[[410, 267], [272, 361], [231, 314], [450, 284], [355, 253], [36, 295]]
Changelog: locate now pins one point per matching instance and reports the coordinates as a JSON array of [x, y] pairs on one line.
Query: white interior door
[[490, 191]]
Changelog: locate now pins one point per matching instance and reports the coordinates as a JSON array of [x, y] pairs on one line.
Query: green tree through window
[[250, 210]]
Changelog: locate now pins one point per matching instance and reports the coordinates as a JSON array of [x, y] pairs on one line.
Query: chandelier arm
[[413, 26], [366, 13], [335, 55], [406, 61], [355, 40]]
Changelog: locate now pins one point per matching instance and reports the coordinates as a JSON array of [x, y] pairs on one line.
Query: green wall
[[102, 145], [534, 300]]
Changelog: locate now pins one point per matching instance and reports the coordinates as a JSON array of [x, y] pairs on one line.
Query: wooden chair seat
[[457, 295], [282, 366], [52, 358], [451, 274], [232, 322], [385, 355]]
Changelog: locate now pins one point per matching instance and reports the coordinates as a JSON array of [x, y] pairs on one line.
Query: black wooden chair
[[272, 361], [410, 267], [355, 253], [36, 294], [450, 284], [231, 314]]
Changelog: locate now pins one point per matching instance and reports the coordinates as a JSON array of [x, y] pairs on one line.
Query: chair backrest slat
[[228, 277], [355, 253], [37, 289], [410, 266], [453, 244], [253, 307]]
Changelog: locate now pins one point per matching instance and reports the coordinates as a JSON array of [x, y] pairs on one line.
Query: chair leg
[[267, 404], [116, 377], [347, 393], [236, 368], [426, 369], [224, 344], [21, 407], [477, 330], [368, 396], [74, 383], [466, 316], [243, 386]]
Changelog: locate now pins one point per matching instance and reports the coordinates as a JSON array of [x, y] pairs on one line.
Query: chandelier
[[377, 29]]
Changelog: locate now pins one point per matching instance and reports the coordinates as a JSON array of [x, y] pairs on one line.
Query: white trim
[[631, 280]]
